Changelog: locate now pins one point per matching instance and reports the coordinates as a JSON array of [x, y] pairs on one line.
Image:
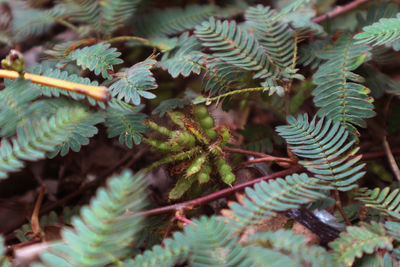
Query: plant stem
[[340, 207], [127, 38], [339, 10], [211, 197], [97, 92], [391, 159]]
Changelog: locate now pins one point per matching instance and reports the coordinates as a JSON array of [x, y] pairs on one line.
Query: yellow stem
[[97, 92]]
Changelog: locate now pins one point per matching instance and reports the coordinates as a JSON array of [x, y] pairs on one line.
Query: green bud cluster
[[14, 61], [198, 142]]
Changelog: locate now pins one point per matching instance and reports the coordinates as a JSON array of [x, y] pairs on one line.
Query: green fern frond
[[292, 245], [3, 259], [339, 99], [185, 58], [78, 134], [268, 198], [384, 200], [170, 105], [293, 6], [308, 53], [235, 46], [210, 242], [221, 77], [126, 121], [276, 37], [135, 82], [171, 21], [15, 101], [33, 22], [36, 138], [103, 234], [327, 149], [99, 58], [375, 13], [358, 240], [84, 11], [115, 13], [64, 75]]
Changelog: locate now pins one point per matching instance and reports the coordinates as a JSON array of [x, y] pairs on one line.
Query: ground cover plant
[[199, 133]]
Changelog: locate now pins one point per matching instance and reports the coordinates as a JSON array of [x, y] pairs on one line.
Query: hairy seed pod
[[225, 168], [161, 129], [224, 134], [215, 150], [177, 118], [196, 165], [204, 174], [200, 112], [220, 162], [228, 178], [181, 187], [184, 139], [207, 123], [210, 134]]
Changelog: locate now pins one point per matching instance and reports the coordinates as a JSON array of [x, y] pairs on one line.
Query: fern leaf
[[308, 54], [33, 22], [102, 234], [358, 240], [339, 99], [115, 13], [292, 245], [84, 11], [126, 121], [276, 37], [221, 77], [3, 259], [34, 139], [266, 199], [64, 75], [235, 46], [135, 82], [383, 200], [169, 105], [384, 32], [171, 21], [99, 58], [15, 102], [326, 147], [79, 134], [185, 58]]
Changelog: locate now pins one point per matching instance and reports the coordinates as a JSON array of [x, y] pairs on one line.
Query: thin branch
[[245, 152], [97, 92], [339, 10], [127, 38], [187, 205], [391, 159], [340, 207]]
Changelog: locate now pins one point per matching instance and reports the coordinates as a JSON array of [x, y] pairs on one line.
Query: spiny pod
[[183, 139], [181, 187], [177, 118], [196, 165], [225, 171], [161, 129], [204, 174], [160, 145], [224, 134], [206, 121]]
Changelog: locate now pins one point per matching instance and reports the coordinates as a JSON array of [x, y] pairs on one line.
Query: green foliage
[[135, 82], [115, 13], [327, 149], [233, 45], [185, 58], [380, 33], [339, 99], [15, 108], [383, 200], [268, 198], [36, 138], [171, 21], [126, 121], [103, 232], [358, 240], [99, 58], [3, 259]]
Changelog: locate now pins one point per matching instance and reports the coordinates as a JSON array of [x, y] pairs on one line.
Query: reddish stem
[[339, 10], [211, 197]]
